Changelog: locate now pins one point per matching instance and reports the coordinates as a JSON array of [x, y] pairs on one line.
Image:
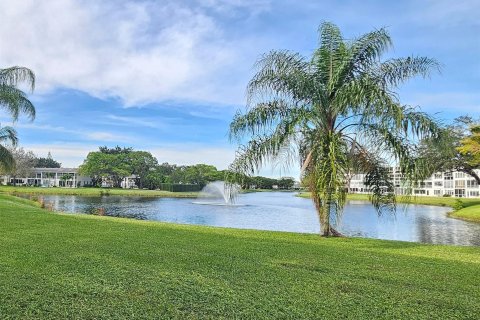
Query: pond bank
[[95, 192]]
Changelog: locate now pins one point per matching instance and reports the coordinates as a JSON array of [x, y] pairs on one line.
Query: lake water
[[282, 211]]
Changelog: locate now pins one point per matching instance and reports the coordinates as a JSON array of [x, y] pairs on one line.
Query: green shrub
[[458, 205]]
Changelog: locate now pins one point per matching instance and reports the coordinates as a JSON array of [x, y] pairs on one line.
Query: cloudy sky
[[167, 76]]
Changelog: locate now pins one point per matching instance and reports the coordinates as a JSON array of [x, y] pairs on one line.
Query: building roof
[[56, 170]]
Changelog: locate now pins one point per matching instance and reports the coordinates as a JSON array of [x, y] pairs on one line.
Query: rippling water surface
[[282, 211]]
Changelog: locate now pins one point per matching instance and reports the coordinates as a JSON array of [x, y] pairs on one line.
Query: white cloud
[[106, 137], [101, 136], [137, 51], [130, 121], [70, 156]]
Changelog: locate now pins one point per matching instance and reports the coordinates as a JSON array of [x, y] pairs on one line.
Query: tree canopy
[[47, 162], [24, 161], [456, 149]]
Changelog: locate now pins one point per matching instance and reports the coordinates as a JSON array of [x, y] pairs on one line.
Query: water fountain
[[218, 193]]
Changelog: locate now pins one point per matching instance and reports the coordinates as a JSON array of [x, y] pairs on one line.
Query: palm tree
[[15, 102], [338, 114]]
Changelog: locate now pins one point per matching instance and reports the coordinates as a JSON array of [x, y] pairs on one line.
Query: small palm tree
[[15, 102], [338, 114]]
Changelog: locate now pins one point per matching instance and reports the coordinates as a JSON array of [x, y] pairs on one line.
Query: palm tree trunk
[[325, 219], [323, 211]]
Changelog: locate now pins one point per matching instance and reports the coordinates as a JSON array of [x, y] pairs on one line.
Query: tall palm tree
[[338, 114], [15, 102]]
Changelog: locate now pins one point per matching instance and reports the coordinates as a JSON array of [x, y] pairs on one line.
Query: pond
[[282, 211]]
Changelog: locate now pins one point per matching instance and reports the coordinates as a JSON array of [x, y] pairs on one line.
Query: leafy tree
[[142, 163], [115, 150], [200, 174], [456, 149], [178, 175], [154, 179], [338, 113], [24, 162], [15, 102], [96, 166], [47, 162], [111, 164], [286, 183], [167, 169], [470, 147]]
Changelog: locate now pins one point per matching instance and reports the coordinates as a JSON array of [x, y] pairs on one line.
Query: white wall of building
[[50, 177], [455, 184]]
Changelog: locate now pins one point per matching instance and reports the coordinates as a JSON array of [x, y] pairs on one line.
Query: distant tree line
[[47, 162], [115, 164]]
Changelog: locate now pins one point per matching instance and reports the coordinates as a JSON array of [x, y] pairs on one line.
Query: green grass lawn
[[463, 208], [471, 213], [97, 192], [85, 267]]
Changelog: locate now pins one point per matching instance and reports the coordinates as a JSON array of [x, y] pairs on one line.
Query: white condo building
[[49, 177], [59, 177], [455, 184]]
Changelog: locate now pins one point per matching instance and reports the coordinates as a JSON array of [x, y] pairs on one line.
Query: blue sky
[[167, 76]]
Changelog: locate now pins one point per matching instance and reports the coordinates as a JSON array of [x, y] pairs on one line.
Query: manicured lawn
[[471, 213], [463, 208], [78, 266], [98, 192]]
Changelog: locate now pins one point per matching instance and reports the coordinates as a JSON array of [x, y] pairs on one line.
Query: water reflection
[[283, 212]]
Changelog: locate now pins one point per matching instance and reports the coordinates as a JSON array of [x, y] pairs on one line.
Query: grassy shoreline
[[95, 192], [463, 208], [80, 266]]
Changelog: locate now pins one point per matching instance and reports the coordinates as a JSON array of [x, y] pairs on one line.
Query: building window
[[438, 183], [448, 176], [459, 183], [459, 175], [460, 193], [437, 192], [448, 184], [449, 192], [474, 193], [438, 176], [472, 184]]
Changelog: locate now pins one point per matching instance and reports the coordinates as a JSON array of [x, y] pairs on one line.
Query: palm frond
[[13, 75], [260, 119], [7, 162], [282, 75], [9, 135], [396, 71], [15, 102]]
